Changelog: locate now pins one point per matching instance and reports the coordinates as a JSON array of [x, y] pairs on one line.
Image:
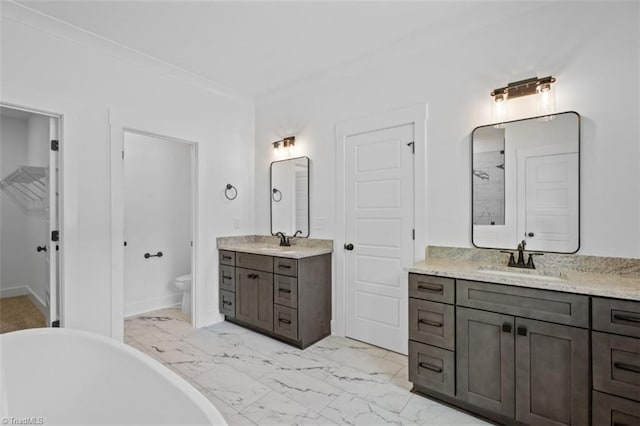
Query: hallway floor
[[253, 379], [19, 313]]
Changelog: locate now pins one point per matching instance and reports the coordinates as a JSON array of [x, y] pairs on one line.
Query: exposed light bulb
[[499, 108], [545, 99]]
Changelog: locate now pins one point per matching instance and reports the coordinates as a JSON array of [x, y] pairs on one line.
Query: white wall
[[590, 47], [101, 88], [13, 221], [157, 178]]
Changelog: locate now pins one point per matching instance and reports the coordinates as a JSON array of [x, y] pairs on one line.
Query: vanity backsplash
[[624, 267]]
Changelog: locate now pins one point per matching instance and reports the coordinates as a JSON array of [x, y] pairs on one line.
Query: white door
[[379, 225], [51, 254], [551, 202]]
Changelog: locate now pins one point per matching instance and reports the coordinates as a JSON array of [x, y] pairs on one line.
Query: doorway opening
[[30, 290], [159, 228]]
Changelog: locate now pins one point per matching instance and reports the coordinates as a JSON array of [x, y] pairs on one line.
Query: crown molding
[[34, 19]]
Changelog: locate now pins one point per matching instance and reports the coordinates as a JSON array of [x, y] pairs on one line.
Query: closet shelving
[[27, 187]]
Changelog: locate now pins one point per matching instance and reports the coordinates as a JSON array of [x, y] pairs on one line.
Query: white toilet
[[183, 283]]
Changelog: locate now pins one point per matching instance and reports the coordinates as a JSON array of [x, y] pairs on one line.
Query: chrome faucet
[[520, 263], [296, 233], [284, 241]]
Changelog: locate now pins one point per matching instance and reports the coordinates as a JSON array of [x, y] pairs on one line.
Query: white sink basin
[[524, 273]]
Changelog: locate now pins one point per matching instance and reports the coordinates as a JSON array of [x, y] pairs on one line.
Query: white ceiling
[[256, 48]]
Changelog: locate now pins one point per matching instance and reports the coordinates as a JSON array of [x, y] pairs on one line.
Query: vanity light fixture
[[284, 143], [541, 87]]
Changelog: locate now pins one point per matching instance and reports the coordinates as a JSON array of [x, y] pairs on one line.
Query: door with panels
[[379, 234]]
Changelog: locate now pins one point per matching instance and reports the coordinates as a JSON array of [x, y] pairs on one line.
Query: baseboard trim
[[25, 290], [20, 290], [148, 305]]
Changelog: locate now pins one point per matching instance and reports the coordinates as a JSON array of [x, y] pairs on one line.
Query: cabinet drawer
[[228, 303], [616, 316], [285, 291], [432, 368], [285, 266], [429, 287], [227, 278], [432, 323], [545, 305], [285, 321], [613, 411], [616, 365], [227, 257], [254, 261]]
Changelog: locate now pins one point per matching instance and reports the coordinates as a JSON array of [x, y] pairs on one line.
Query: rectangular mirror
[[526, 184], [289, 195]]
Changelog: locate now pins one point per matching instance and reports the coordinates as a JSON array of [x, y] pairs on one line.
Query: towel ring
[[228, 189], [275, 197]]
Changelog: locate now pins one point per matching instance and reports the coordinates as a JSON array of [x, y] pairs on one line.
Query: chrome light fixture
[[541, 87]]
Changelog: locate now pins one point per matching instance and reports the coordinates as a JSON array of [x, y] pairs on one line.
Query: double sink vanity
[[556, 344]]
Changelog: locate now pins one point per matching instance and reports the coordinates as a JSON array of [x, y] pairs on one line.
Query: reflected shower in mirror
[[289, 194], [525, 184]]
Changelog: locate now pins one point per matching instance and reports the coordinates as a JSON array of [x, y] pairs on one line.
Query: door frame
[[414, 114], [117, 222], [61, 227]]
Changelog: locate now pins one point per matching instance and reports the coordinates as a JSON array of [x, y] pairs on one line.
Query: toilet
[[183, 283]]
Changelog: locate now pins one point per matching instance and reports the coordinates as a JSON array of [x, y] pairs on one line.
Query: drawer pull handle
[[284, 320], [506, 327], [252, 276], [431, 323], [627, 367], [226, 302], [626, 318], [226, 257], [522, 331], [430, 367], [227, 277], [284, 266], [433, 289], [284, 290]]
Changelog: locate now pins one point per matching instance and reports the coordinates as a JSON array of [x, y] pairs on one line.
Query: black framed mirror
[[526, 184], [289, 195]]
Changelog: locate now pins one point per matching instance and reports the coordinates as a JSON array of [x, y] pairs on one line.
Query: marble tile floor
[[255, 380]]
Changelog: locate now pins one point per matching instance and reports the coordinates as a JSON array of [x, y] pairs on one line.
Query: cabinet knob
[[522, 331], [506, 327], [348, 246]]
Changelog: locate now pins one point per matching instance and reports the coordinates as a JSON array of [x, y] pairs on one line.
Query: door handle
[[148, 255], [348, 246], [226, 302], [252, 276], [284, 320], [284, 290], [531, 235], [42, 248]]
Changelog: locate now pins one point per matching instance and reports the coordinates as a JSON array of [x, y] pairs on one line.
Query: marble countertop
[[570, 281], [268, 246]]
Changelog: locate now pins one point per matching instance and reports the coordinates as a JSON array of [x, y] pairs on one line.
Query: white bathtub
[[56, 376]]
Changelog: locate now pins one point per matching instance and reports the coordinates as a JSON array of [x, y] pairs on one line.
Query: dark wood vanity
[[518, 355], [285, 298]]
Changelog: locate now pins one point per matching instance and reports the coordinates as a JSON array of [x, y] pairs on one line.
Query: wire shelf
[[27, 187]]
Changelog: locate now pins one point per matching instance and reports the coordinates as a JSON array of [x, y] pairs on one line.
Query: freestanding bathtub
[[57, 376]]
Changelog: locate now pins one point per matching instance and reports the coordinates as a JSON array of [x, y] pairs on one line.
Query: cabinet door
[[552, 373], [254, 298], [485, 367]]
